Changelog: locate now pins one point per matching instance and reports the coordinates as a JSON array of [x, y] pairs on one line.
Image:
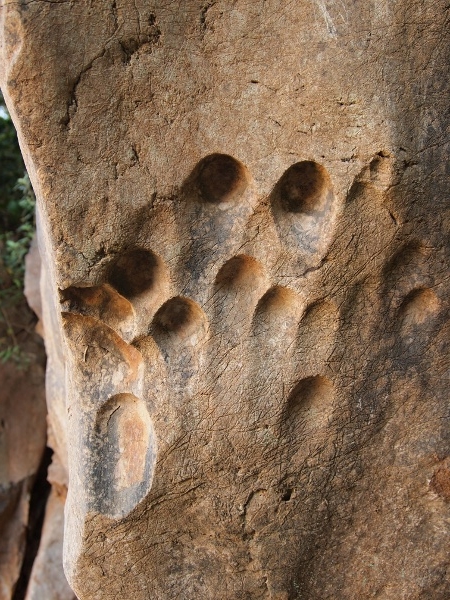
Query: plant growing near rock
[[17, 228]]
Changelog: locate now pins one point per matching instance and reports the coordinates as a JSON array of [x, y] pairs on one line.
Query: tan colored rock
[[22, 421], [47, 580], [242, 211], [22, 443], [32, 287], [14, 507]]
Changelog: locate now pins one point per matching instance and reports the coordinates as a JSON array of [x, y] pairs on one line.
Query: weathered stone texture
[[244, 207], [22, 443], [47, 581]]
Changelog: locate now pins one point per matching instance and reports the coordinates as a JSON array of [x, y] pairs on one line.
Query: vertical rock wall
[[22, 438], [243, 210]]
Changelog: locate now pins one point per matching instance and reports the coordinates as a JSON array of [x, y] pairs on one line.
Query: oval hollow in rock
[[137, 273], [278, 310], [277, 300], [305, 188], [418, 306], [126, 455], [240, 271], [311, 399], [221, 178], [406, 259], [102, 302], [179, 316], [320, 317]]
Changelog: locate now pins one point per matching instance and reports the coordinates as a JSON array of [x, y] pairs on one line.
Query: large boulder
[[242, 212], [22, 432]]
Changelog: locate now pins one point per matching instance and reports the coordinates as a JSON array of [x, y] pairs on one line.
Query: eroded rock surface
[[243, 210], [22, 444], [47, 581]]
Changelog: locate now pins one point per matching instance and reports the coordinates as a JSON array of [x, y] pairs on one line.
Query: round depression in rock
[[221, 179], [305, 187]]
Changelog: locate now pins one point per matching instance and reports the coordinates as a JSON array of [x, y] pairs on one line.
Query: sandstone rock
[[22, 442], [14, 506], [47, 580], [32, 288], [22, 434], [242, 210]]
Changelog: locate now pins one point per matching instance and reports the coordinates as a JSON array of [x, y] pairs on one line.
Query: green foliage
[[17, 227], [17, 243], [13, 353], [11, 169]]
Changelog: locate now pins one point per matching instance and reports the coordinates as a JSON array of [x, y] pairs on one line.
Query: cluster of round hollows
[[136, 290], [304, 188]]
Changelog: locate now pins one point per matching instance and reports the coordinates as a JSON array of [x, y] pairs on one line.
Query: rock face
[[243, 210], [22, 444], [47, 581]]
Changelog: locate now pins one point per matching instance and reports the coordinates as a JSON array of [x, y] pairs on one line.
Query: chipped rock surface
[[242, 211]]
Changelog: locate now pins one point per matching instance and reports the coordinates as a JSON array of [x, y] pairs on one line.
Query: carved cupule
[[125, 455], [234, 352], [304, 208]]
